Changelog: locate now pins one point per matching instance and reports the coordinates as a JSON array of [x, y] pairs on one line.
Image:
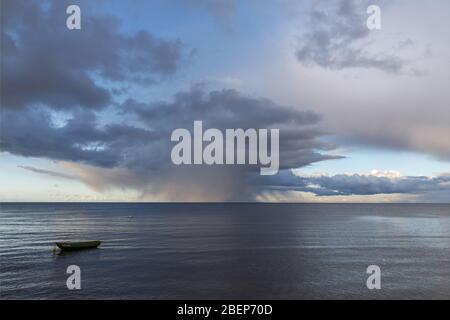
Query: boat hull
[[81, 245]]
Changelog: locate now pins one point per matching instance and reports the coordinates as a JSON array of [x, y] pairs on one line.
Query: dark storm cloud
[[45, 63], [143, 149], [299, 143], [336, 39], [32, 133], [357, 184]]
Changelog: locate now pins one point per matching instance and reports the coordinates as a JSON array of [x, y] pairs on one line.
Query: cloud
[[49, 172], [367, 108], [374, 183], [299, 137], [45, 63], [343, 184], [405, 134], [103, 179], [137, 156], [309, 197], [31, 133], [338, 39], [47, 69]]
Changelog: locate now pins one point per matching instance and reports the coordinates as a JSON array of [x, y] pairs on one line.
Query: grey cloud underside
[[337, 39], [32, 133], [146, 145], [299, 137], [356, 184], [45, 63], [143, 149]]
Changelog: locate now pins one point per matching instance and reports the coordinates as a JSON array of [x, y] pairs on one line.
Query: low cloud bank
[[358, 184]]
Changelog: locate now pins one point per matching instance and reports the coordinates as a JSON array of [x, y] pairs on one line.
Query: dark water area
[[226, 251]]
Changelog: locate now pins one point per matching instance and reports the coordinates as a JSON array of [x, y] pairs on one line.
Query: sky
[[364, 115]]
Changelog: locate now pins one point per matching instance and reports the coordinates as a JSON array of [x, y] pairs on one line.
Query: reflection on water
[[207, 251], [59, 253]]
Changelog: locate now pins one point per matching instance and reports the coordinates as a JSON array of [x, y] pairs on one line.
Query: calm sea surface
[[226, 251]]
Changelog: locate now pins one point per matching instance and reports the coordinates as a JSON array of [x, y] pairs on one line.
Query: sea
[[226, 251]]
